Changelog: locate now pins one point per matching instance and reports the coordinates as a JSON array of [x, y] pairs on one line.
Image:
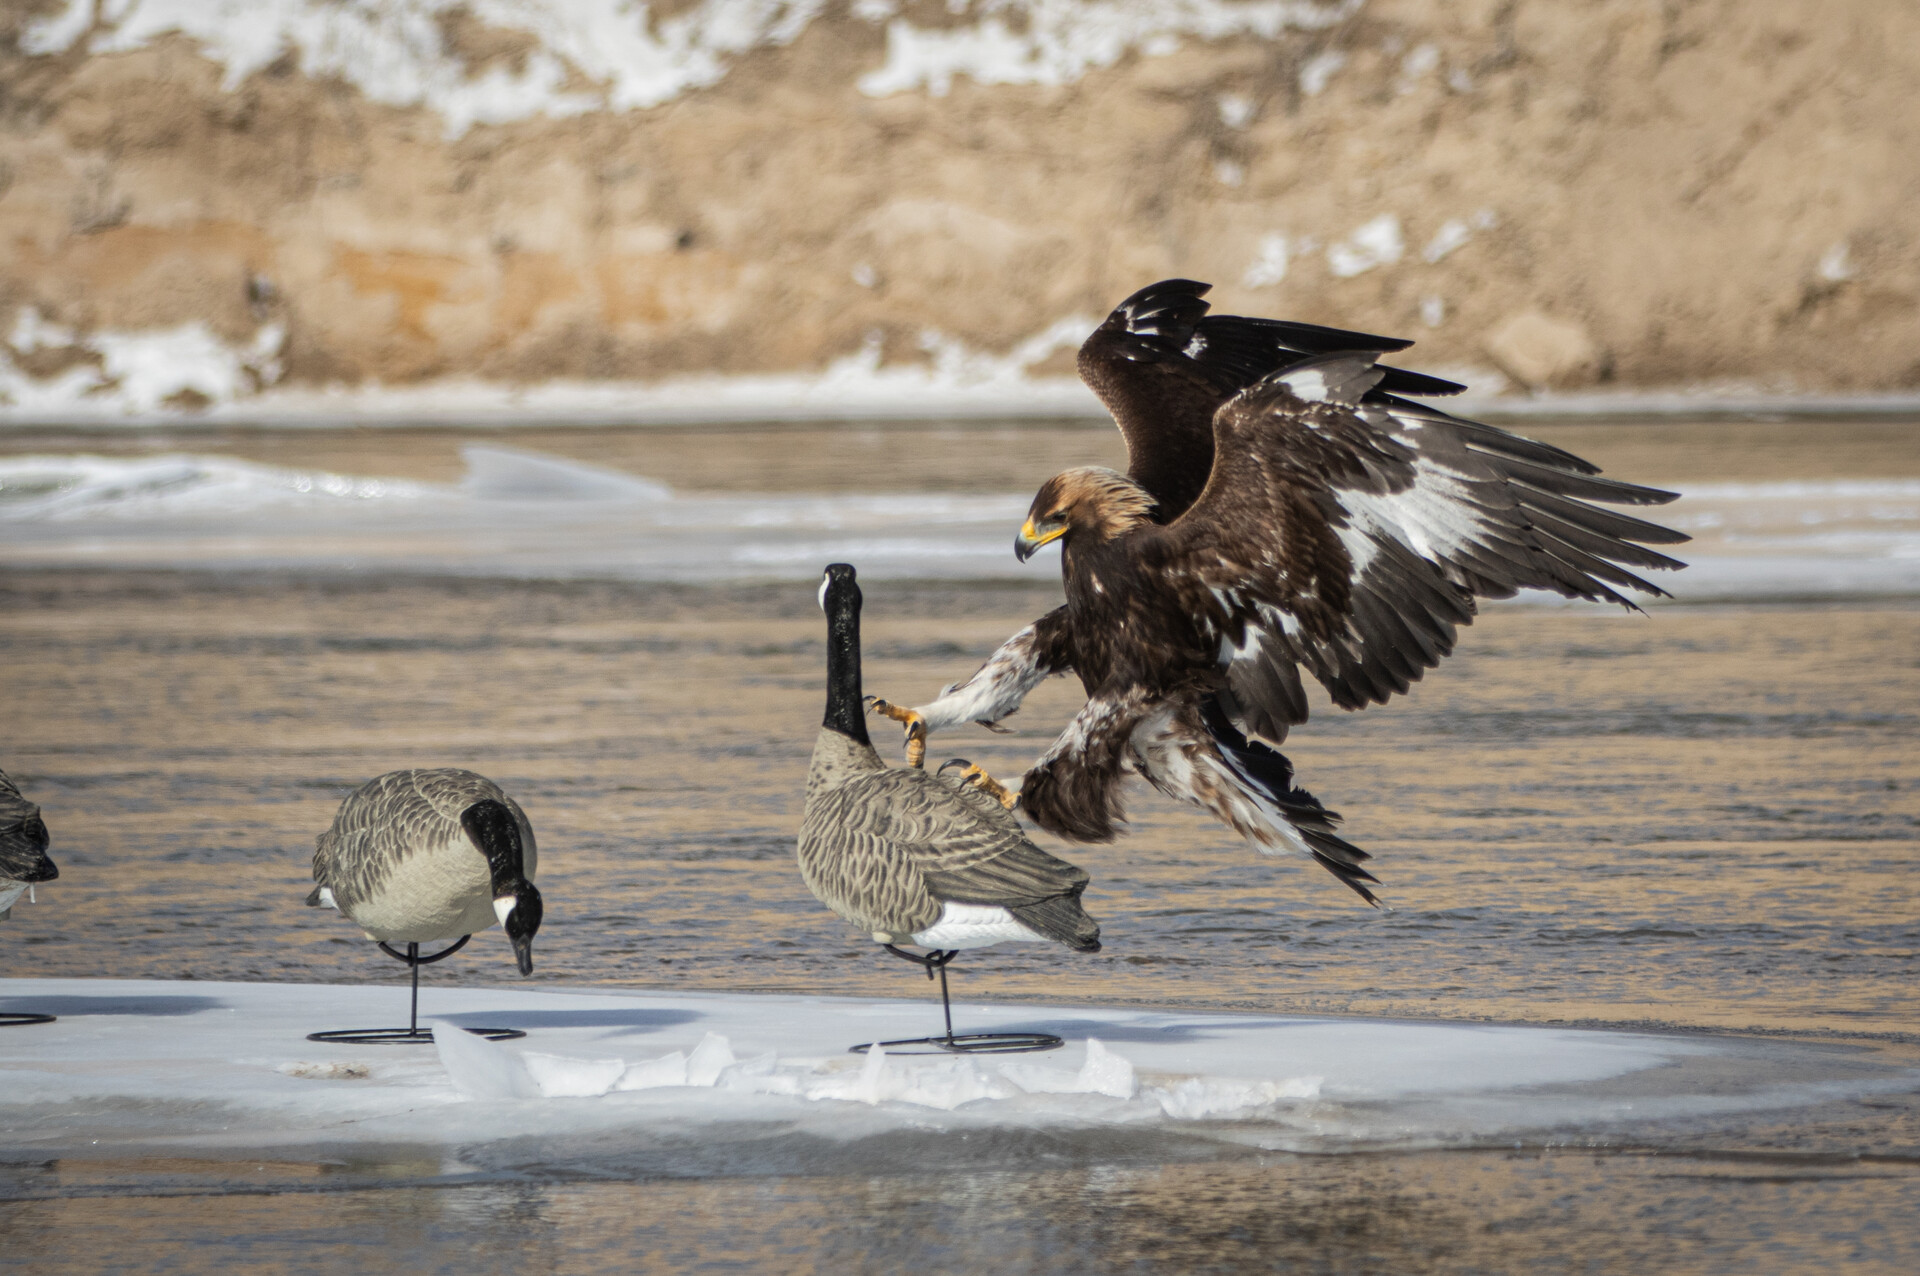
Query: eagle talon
[[916, 727], [977, 776]]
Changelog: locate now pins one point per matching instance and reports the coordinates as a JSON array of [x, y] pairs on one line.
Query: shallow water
[[1708, 817]]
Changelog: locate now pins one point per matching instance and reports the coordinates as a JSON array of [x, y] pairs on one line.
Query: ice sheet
[[146, 1063], [522, 514]]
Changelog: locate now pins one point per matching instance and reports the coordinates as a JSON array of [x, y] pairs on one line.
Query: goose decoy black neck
[[516, 901], [840, 599]]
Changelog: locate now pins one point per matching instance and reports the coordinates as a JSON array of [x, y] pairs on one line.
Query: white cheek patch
[[503, 907], [823, 593]]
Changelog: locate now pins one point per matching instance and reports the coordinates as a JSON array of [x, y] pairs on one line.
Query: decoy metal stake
[[962, 1043], [412, 1034]]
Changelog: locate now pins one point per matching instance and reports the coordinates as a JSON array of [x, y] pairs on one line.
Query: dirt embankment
[[1606, 193]]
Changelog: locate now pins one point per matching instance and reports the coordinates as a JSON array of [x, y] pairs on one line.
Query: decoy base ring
[[413, 1034]]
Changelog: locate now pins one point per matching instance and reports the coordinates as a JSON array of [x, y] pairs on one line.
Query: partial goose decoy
[[910, 858], [23, 863], [23, 846], [423, 855]]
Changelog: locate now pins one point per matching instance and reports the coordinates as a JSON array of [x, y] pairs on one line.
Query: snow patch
[[136, 373], [1454, 234], [1056, 42], [1375, 243], [139, 375], [1416, 66], [396, 52], [1270, 264], [1835, 264], [1236, 110], [1318, 71], [619, 55]]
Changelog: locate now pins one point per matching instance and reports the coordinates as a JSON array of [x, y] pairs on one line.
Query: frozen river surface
[[1646, 999], [182, 1092]]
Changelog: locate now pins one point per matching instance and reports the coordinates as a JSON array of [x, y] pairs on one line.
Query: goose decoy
[[23, 863], [911, 858], [23, 846], [423, 855]]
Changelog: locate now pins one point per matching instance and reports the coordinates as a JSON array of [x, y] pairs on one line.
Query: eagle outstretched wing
[[1163, 365], [1350, 533]]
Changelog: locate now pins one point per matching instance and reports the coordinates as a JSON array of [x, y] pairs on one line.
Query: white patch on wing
[[1309, 384], [1436, 518], [1360, 547], [974, 926]]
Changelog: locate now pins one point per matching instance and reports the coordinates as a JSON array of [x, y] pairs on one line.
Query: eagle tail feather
[[1193, 751]]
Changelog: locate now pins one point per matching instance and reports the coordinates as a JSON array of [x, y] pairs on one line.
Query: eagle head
[[1090, 503]]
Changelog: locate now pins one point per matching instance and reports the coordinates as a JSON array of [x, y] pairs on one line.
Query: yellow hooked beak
[[1031, 538]]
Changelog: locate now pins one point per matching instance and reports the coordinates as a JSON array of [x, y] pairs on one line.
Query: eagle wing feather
[[1351, 534], [1163, 365]]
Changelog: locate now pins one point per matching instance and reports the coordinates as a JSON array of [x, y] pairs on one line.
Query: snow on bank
[[132, 374], [1056, 42], [616, 55], [227, 1064], [138, 378]]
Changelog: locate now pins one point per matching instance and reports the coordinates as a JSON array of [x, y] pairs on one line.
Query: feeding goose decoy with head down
[[928, 860], [418, 856], [23, 864]]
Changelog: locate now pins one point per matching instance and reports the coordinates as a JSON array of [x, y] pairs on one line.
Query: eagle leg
[[916, 727], [976, 775]]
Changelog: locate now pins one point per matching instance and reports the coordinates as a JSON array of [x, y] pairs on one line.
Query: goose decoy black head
[[516, 901]]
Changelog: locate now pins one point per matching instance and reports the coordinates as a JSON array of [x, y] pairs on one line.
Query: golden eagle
[[1284, 508]]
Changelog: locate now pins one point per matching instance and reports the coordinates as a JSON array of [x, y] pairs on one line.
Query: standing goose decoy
[[912, 858], [422, 855], [23, 863]]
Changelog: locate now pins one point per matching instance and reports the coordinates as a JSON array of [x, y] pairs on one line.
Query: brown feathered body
[[1284, 509]]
